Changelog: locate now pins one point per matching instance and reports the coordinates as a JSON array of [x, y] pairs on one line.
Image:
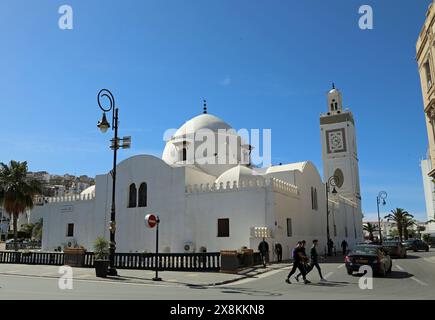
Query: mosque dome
[[190, 145], [203, 121], [238, 174]]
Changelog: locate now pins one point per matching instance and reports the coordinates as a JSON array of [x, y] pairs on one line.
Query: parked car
[[369, 255], [395, 248], [416, 245]]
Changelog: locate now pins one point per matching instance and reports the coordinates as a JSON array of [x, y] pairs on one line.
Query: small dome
[[89, 190], [203, 121], [237, 174]]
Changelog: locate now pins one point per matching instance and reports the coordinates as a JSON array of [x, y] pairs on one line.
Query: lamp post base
[[157, 279], [112, 272]]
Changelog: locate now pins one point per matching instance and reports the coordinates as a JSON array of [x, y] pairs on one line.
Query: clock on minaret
[[339, 151]]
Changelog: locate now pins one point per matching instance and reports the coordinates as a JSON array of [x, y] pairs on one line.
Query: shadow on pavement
[[251, 292]]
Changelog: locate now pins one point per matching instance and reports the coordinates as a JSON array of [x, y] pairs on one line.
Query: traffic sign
[[151, 220]]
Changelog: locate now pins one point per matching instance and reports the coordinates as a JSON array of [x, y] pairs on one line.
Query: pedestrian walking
[[314, 262], [263, 247], [297, 255], [278, 251], [344, 246]]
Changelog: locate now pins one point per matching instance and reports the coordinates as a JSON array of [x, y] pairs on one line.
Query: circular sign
[[151, 220]]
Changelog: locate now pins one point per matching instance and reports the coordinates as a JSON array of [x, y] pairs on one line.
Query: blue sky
[[260, 64]]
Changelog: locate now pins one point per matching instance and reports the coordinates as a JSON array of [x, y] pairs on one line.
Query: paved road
[[412, 278]]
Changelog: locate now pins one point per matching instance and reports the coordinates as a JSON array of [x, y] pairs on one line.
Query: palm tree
[[17, 191], [370, 228], [398, 215], [407, 223]]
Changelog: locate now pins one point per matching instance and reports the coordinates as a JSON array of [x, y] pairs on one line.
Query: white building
[[215, 206], [429, 192]]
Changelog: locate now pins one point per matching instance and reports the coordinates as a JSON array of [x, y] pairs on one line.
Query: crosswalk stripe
[[419, 281], [399, 267], [328, 275]]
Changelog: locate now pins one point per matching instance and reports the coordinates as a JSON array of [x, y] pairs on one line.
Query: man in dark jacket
[[344, 246], [263, 247], [314, 262], [298, 258], [278, 251]]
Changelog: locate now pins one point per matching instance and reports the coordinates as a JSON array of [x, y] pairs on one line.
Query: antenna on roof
[[205, 106], [333, 85]]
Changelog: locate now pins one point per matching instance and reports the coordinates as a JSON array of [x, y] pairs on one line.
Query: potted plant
[[101, 251]]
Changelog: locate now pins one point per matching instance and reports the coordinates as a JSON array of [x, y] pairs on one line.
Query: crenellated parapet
[[245, 184], [77, 197]]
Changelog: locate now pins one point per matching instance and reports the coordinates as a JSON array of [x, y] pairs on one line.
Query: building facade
[[207, 200], [425, 55]]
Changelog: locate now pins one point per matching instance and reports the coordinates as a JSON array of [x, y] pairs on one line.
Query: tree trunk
[[15, 227], [405, 233], [400, 230]]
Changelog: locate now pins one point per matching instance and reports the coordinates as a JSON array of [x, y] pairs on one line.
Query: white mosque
[[205, 203]]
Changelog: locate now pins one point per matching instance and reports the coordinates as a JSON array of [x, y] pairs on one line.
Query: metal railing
[[209, 261]]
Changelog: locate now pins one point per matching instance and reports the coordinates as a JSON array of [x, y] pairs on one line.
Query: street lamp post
[[104, 125], [332, 181], [381, 197]]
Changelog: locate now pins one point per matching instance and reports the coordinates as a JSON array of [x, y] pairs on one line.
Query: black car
[[369, 255], [416, 245]]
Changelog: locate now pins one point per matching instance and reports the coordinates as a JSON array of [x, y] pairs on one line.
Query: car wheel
[[349, 272], [427, 249]]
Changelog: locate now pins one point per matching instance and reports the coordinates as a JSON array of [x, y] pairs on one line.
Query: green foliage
[[17, 191], [27, 229], [403, 220], [370, 228], [37, 229], [101, 248]]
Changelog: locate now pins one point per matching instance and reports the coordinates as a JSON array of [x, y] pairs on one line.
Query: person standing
[[330, 246], [344, 246], [297, 256], [263, 247], [278, 251]]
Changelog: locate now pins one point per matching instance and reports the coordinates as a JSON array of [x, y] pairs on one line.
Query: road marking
[[399, 267], [431, 260], [328, 275], [419, 281], [260, 276], [340, 266]]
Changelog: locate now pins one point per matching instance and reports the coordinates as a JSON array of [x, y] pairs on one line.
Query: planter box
[[248, 257], [229, 261], [74, 257], [101, 268]]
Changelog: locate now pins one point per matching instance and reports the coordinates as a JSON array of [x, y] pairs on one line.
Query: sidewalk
[[141, 276]]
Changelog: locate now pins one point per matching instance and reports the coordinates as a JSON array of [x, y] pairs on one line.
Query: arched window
[[143, 195], [132, 196]]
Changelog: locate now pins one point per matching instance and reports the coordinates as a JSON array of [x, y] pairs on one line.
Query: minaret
[[339, 151]]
